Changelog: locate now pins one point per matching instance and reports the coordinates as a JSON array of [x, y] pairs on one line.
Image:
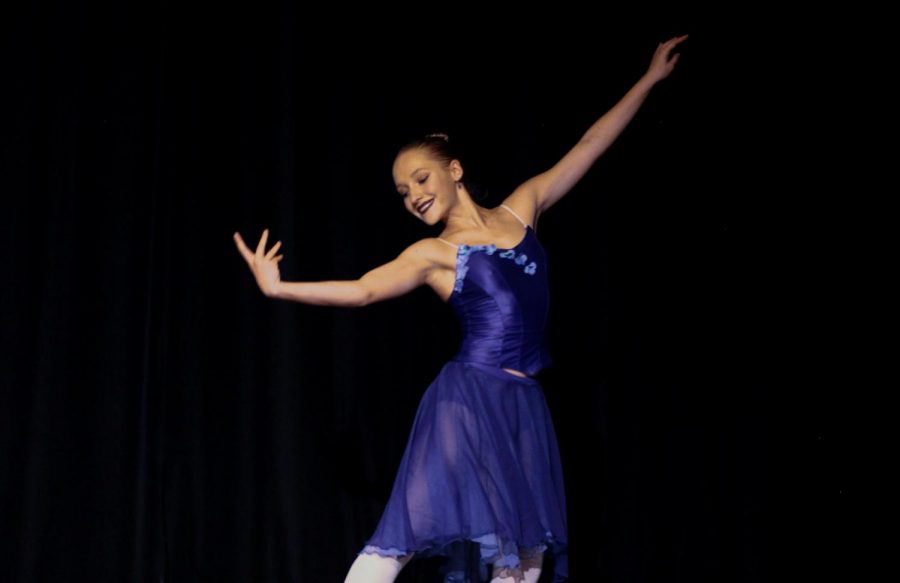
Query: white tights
[[531, 569], [373, 568]]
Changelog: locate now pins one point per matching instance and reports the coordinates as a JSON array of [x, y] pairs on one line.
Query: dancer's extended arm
[[540, 192], [394, 278]]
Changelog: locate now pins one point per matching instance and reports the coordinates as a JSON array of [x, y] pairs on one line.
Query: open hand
[[661, 65], [263, 265]]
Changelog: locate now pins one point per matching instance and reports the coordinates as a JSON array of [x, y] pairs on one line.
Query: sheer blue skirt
[[480, 480]]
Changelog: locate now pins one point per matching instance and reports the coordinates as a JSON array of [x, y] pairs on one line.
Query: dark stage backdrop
[[162, 420]]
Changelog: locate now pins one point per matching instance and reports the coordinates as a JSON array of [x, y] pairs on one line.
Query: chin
[[429, 218]]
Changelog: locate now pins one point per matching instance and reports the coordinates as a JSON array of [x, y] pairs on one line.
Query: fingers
[[242, 247], [250, 257], [262, 243], [664, 49], [675, 40], [273, 250]]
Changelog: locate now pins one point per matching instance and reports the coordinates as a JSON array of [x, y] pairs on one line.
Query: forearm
[[346, 293], [606, 129]]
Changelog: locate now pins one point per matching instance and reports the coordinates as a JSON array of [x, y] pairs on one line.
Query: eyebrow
[[410, 175]]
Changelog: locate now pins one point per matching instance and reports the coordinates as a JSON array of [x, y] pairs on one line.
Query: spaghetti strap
[[524, 224], [447, 242]]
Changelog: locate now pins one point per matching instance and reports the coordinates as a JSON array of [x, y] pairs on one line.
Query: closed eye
[[402, 194]]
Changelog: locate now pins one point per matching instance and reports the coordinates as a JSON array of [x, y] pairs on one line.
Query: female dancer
[[481, 465]]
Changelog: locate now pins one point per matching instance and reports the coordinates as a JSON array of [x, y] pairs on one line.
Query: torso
[[506, 232]]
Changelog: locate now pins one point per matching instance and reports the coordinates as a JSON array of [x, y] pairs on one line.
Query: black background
[[162, 420]]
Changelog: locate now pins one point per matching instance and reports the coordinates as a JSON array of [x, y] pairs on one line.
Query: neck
[[466, 214]]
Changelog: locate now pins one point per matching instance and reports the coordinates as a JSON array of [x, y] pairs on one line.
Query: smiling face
[[428, 187]]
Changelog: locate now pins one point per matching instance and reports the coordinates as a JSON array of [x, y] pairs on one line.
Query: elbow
[[363, 297]]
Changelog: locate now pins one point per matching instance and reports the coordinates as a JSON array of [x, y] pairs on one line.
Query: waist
[[497, 371], [529, 360]]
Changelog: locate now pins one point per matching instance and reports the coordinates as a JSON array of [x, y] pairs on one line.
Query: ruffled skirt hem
[[480, 480], [471, 557]]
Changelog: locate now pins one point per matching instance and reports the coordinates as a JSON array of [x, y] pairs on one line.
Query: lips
[[425, 206]]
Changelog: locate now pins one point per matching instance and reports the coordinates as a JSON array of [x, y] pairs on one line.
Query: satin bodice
[[501, 298]]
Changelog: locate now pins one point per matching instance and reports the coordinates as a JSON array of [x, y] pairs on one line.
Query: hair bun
[[441, 135]]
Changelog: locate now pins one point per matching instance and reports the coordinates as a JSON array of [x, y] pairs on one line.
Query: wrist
[[648, 80], [275, 292]]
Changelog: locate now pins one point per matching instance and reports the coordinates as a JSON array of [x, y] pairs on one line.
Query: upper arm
[[545, 189], [399, 276], [523, 201]]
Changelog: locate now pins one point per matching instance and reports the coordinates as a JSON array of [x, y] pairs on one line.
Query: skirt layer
[[480, 480]]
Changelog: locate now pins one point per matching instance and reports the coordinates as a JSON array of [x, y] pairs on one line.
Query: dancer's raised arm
[[394, 278], [545, 189]]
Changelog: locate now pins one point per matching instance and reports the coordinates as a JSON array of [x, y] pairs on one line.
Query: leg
[[373, 568], [529, 571], [532, 567], [506, 575], [518, 373]]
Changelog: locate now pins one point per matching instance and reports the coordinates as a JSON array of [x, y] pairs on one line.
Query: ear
[[456, 170]]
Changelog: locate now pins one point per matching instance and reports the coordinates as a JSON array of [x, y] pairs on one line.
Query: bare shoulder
[[437, 259], [431, 254], [523, 201]]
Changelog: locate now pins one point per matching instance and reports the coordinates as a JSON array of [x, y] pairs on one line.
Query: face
[[427, 186]]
